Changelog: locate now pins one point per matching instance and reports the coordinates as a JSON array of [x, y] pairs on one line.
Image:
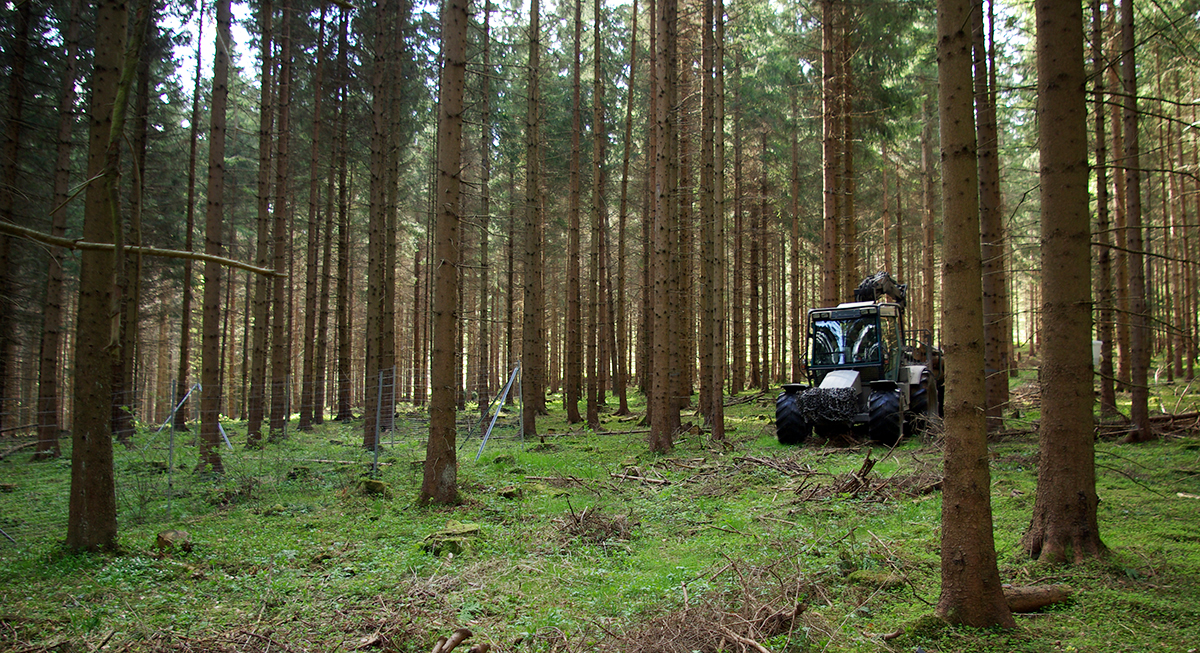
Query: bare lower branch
[[22, 232]]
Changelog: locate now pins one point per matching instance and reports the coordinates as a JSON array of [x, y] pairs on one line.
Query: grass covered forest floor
[[583, 541]]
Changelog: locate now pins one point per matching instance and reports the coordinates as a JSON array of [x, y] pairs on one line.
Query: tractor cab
[[861, 336]]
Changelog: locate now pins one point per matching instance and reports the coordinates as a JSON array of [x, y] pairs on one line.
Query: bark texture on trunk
[[971, 592]]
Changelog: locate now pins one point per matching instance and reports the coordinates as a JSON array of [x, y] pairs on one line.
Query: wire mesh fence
[[160, 481]]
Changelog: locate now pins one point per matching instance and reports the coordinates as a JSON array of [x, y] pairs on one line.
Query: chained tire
[[921, 405], [885, 417], [790, 426]]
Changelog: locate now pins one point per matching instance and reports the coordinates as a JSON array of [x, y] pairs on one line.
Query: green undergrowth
[[586, 539]]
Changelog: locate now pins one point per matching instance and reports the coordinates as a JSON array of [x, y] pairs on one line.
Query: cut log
[[1035, 597]]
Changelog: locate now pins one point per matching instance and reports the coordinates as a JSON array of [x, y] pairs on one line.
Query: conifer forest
[[249, 249]]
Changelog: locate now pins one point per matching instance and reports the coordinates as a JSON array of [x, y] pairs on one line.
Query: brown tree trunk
[[992, 230], [797, 370], [621, 315], [48, 412], [1139, 328], [338, 157], [345, 299], [17, 58], [830, 160], [1064, 510], [717, 419], [737, 376], [124, 399], [1103, 280], [928, 222], [850, 266], [280, 351], [596, 326], [182, 385], [533, 343], [440, 484], [262, 307], [756, 219], [92, 509], [663, 408], [708, 217], [377, 223], [210, 398], [308, 383], [971, 593], [574, 345], [483, 378], [760, 236]]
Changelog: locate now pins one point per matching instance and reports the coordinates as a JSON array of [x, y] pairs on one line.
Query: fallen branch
[[445, 645], [31, 234], [1035, 597], [747, 399], [743, 640], [632, 477], [633, 432], [17, 428], [1171, 418], [17, 448]]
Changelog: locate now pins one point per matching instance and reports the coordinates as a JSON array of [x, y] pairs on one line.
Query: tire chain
[[828, 405]]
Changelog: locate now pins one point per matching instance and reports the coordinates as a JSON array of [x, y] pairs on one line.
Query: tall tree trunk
[[760, 236], [756, 219], [483, 338], [1121, 255], [377, 222], [1064, 510], [92, 508], [663, 408], [9, 170], [737, 380], [708, 216], [928, 221], [210, 398], [440, 484], [850, 266], [1139, 328], [125, 324], [337, 156], [797, 370], [262, 307], [830, 161], [345, 299], [1103, 280], [574, 351], [533, 344], [621, 316], [182, 385], [971, 593], [52, 315], [281, 232], [992, 230], [596, 323], [308, 384], [717, 420]]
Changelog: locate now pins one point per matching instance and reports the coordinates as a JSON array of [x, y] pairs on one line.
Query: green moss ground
[[288, 552]]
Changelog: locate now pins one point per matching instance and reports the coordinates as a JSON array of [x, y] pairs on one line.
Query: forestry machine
[[862, 376]]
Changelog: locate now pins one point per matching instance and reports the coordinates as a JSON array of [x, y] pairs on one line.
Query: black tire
[[885, 416], [790, 427], [920, 408]]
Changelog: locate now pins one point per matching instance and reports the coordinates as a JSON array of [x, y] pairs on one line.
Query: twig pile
[[593, 527], [861, 485], [739, 621]]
